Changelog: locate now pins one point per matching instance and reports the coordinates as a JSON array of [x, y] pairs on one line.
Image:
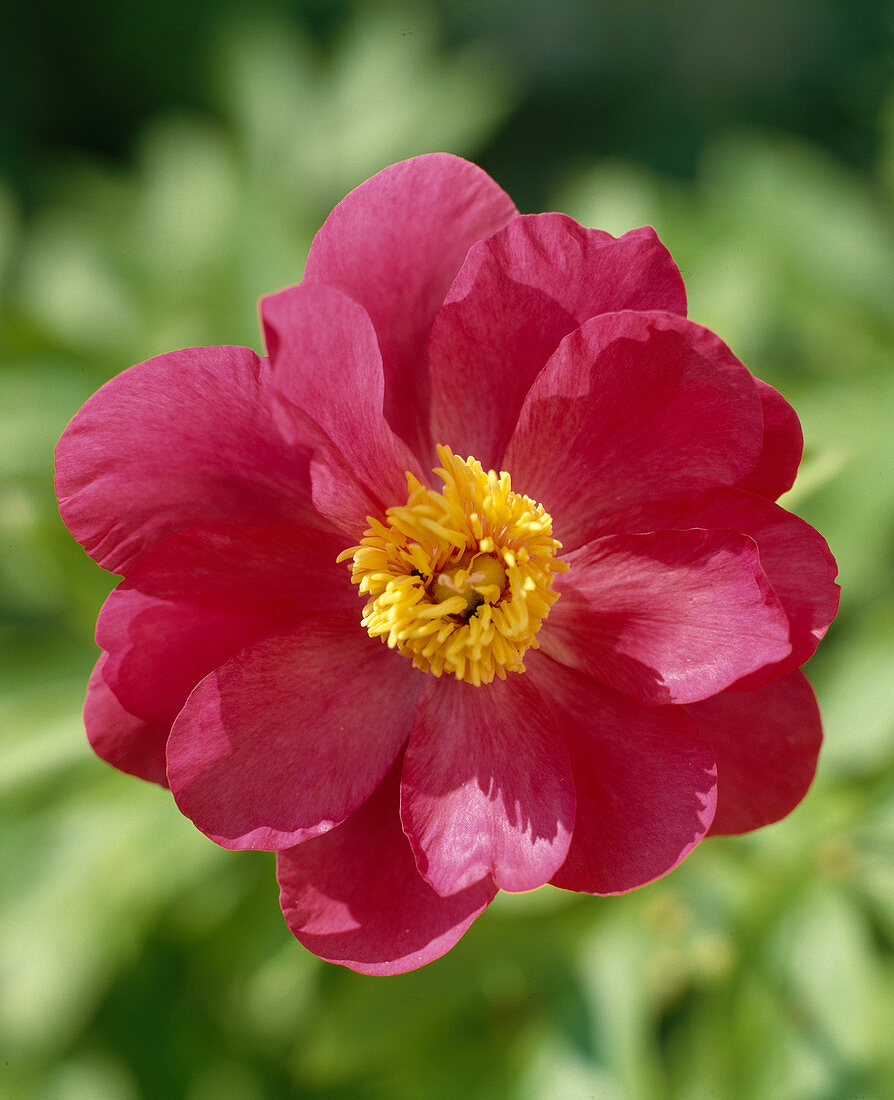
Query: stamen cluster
[[459, 580]]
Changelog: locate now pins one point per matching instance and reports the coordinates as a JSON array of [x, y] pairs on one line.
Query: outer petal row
[[644, 794], [178, 441]]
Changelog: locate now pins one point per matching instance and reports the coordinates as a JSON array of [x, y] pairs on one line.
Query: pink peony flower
[[415, 678]]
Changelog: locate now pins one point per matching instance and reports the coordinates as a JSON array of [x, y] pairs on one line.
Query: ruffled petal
[[326, 363], [516, 296], [120, 738], [646, 785], [633, 408], [794, 557], [354, 896], [286, 739], [198, 598], [766, 743], [783, 444], [486, 787], [666, 617], [181, 440], [395, 245]]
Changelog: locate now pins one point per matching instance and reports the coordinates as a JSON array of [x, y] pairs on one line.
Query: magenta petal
[[633, 408], [666, 617], [326, 362], [516, 296], [339, 498], [123, 740], [354, 895], [776, 467], [395, 245], [766, 743], [486, 787], [287, 738], [645, 783], [197, 598], [793, 556], [182, 440]]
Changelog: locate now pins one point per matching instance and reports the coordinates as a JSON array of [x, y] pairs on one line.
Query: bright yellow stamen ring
[[459, 581]]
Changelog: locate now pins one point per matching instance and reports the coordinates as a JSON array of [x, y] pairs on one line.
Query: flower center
[[460, 580]]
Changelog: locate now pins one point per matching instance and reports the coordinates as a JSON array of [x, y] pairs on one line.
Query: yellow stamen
[[459, 581]]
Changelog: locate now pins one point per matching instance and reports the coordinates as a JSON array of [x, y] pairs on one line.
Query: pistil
[[476, 578]]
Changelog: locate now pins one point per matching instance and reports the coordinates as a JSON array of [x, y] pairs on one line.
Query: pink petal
[[287, 738], [339, 498], [354, 896], [516, 296], [182, 440], [632, 408], [326, 362], [776, 467], [766, 743], [486, 787], [395, 245], [645, 785], [666, 617], [121, 739], [794, 557], [198, 598]]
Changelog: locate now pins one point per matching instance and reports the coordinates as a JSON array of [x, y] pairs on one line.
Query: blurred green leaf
[[136, 959]]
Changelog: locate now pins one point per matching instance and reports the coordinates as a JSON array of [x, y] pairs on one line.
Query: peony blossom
[[475, 582]]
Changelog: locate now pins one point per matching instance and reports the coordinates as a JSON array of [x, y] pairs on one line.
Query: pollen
[[459, 580]]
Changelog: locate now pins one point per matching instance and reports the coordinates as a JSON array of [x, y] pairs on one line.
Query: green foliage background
[[163, 167]]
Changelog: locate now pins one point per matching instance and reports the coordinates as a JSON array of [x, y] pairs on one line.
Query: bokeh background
[[164, 164]]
